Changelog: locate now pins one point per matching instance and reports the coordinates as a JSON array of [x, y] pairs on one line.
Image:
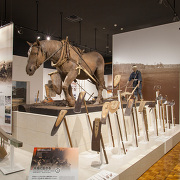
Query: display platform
[[129, 166], [52, 109]]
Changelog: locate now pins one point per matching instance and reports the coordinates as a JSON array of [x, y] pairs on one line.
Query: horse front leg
[[67, 82], [100, 76], [99, 98], [71, 93]]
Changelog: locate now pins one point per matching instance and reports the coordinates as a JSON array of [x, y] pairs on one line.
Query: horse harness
[[65, 56]]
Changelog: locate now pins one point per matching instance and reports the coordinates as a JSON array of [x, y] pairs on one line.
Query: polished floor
[[168, 167]]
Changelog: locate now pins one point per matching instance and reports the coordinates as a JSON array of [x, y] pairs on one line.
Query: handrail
[[12, 140]]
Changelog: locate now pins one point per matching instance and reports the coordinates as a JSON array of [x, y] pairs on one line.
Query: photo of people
[[7, 100], [8, 109], [7, 119]]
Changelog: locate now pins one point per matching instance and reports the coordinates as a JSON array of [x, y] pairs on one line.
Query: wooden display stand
[[101, 138]]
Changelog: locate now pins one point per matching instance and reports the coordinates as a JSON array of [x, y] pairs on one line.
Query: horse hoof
[[96, 103], [71, 103]]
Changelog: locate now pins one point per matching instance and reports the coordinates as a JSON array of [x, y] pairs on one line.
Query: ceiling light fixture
[[38, 37], [115, 25], [103, 28], [122, 29], [48, 38], [20, 30]]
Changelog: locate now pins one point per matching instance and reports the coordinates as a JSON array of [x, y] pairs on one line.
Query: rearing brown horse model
[[68, 71]]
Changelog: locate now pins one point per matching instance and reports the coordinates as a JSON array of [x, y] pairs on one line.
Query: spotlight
[[48, 38], [104, 28], [38, 37], [175, 18], [115, 25], [20, 30], [122, 29]]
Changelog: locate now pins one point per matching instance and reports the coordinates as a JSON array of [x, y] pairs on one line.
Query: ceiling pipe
[[107, 46], [61, 28], [80, 32], [37, 15], [95, 31], [5, 10]]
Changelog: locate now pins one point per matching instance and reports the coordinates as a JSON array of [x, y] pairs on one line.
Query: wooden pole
[[67, 130], [123, 116], [145, 123], [101, 138], [37, 96], [134, 128], [111, 130], [156, 120], [120, 133], [136, 117], [162, 113]]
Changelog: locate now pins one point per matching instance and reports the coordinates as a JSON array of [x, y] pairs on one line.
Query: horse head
[[36, 57]]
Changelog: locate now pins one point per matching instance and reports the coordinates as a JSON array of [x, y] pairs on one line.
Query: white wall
[[35, 82], [148, 46]]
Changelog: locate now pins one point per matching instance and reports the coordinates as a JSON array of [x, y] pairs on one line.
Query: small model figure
[[137, 81]]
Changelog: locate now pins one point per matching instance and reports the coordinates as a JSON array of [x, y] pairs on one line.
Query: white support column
[[12, 168]]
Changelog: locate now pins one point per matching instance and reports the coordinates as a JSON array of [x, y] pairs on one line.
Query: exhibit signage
[[6, 58], [54, 163]]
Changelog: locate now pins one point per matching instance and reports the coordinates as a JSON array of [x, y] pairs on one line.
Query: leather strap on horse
[[65, 53], [80, 67]]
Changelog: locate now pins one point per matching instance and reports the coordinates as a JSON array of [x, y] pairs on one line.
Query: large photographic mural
[[6, 57], [155, 51]]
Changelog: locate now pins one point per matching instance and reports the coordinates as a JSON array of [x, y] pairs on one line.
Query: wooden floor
[[168, 167]]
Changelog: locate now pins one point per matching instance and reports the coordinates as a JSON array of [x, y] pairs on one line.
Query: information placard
[[54, 163]]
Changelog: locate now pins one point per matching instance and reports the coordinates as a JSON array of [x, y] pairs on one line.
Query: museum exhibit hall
[[89, 90]]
